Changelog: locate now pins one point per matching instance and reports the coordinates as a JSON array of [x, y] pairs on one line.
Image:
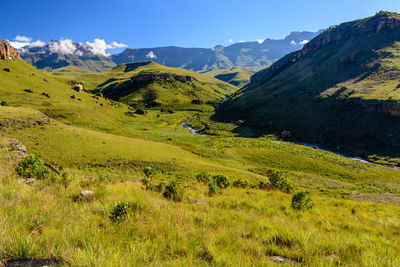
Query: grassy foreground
[[98, 148]]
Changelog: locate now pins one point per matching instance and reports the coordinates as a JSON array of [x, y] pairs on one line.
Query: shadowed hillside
[[340, 90]]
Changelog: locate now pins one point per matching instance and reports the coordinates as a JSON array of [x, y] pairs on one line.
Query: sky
[[187, 23]]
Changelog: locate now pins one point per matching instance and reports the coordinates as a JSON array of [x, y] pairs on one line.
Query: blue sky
[[189, 23]]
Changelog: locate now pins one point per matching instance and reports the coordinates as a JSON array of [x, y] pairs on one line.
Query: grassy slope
[[236, 76], [304, 92], [113, 84], [240, 226]]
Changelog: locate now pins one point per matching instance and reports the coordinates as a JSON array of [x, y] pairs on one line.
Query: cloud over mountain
[[98, 47]]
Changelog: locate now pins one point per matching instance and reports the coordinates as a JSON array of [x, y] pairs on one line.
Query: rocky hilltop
[[7, 51], [381, 23]]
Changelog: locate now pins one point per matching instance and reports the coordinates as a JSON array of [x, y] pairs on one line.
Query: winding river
[[196, 132]]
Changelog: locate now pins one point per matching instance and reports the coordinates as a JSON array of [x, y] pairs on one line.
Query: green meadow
[[149, 206]]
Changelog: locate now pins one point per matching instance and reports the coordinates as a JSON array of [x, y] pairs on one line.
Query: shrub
[[203, 177], [120, 211], [302, 201], [174, 191], [157, 188], [221, 181], [3, 103], [279, 182], [33, 167], [263, 185], [213, 189], [148, 171], [241, 183], [146, 182]]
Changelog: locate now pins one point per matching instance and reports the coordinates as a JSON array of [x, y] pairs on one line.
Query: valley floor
[[355, 220]]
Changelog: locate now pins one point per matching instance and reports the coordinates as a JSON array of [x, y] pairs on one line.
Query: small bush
[[221, 181], [242, 183], [263, 185], [146, 182], [3, 103], [279, 182], [120, 212], [203, 177], [148, 171], [213, 189], [33, 167], [174, 191], [302, 201], [157, 188]]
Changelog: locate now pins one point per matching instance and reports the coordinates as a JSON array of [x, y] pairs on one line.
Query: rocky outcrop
[[79, 87], [152, 77], [382, 22], [7, 51]]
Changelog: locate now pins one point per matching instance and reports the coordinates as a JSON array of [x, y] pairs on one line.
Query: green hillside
[[154, 85], [142, 190], [339, 91], [236, 76]]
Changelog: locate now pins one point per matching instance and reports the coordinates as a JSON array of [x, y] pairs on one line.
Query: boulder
[[197, 102], [27, 180], [7, 69], [171, 111], [78, 87], [141, 111], [28, 90], [84, 195], [208, 127], [46, 95], [130, 114], [74, 97]]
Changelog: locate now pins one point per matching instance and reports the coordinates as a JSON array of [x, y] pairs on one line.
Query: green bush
[[157, 188], [148, 171], [3, 103], [203, 177], [147, 182], [221, 181], [302, 201], [279, 182], [33, 167], [242, 183], [213, 189], [174, 191], [120, 211], [263, 185]]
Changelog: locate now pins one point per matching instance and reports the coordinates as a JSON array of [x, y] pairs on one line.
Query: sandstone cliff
[[7, 51]]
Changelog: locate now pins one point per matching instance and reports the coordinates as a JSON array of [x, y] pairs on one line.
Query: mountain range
[[64, 55]]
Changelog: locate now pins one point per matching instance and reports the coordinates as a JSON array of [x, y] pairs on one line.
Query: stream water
[[196, 132]]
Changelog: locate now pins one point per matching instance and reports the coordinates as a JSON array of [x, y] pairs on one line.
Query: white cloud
[[65, 47], [98, 47], [118, 45], [18, 45], [230, 41], [304, 42], [23, 38], [293, 42], [242, 41], [37, 43], [260, 41], [151, 55]]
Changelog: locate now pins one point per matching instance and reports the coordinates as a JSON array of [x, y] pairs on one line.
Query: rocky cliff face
[[7, 51], [151, 77], [378, 24], [382, 22]]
